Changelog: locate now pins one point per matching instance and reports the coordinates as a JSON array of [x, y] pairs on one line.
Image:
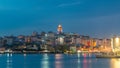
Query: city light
[[117, 40], [78, 51]]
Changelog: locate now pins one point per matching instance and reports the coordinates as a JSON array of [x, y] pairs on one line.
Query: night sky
[[97, 18]]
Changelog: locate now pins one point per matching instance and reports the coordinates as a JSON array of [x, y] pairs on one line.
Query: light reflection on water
[[45, 61], [115, 63], [56, 61], [9, 61]]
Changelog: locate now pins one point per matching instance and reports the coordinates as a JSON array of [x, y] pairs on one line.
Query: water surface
[[56, 61]]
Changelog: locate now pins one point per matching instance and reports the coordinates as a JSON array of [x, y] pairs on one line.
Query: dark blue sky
[[97, 18]]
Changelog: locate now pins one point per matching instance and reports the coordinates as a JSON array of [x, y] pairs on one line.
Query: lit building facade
[[115, 43]]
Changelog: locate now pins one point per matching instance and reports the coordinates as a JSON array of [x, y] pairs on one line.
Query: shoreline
[[42, 52], [29, 52]]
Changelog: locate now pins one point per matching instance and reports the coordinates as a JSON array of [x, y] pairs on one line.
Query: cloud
[[68, 4]]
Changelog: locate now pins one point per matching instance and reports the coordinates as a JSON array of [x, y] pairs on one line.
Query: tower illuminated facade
[[60, 39], [59, 29]]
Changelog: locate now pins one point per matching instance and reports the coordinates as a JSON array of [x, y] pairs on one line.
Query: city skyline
[[86, 17]]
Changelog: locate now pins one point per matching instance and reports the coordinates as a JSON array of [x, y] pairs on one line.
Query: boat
[[108, 55]]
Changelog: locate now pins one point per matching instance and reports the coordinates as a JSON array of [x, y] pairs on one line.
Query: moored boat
[[108, 55]]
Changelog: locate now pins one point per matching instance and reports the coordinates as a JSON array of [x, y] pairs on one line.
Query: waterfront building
[[115, 43], [94, 42], [106, 43], [99, 42], [73, 49], [84, 40]]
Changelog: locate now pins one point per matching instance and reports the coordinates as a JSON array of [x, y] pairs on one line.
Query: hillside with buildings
[[54, 42]]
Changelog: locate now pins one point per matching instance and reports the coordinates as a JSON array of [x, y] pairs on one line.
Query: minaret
[[59, 29]]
